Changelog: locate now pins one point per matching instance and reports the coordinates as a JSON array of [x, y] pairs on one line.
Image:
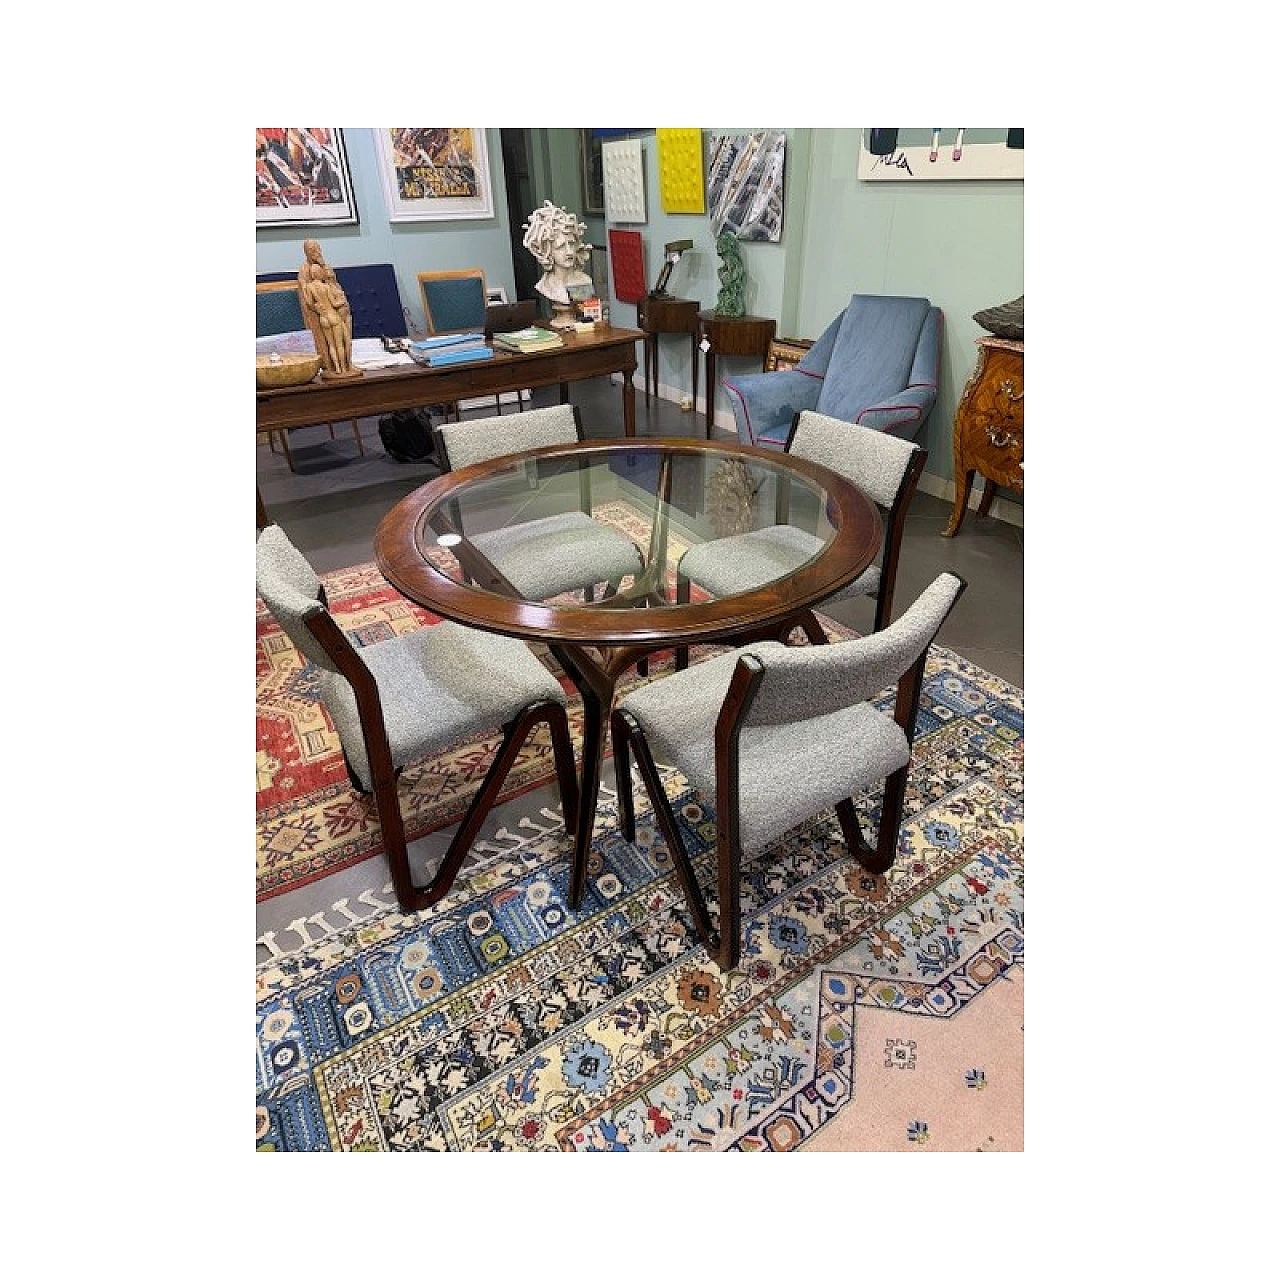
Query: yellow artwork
[[680, 178]]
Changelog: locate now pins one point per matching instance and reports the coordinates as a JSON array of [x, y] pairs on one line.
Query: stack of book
[[450, 348], [530, 339]]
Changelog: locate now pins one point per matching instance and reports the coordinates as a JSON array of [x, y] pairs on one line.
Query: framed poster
[[303, 179], [932, 155], [591, 170], [429, 175]]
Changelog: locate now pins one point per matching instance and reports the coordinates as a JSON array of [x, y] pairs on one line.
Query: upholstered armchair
[[875, 364]]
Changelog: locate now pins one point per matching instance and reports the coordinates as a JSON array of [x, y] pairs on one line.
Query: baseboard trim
[[1001, 508]]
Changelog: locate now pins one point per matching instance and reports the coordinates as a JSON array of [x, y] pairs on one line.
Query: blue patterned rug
[[501, 1020]]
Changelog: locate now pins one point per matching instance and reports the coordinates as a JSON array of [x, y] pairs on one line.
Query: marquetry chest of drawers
[[987, 436]]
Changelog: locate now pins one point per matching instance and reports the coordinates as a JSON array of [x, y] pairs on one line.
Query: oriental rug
[[310, 823], [869, 1013]]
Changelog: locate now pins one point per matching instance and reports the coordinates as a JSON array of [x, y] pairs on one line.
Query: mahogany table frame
[[595, 645]]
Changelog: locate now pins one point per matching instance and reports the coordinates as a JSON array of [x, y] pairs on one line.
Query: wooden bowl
[[287, 370]]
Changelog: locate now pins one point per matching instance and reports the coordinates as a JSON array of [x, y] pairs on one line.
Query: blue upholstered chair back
[[373, 295], [279, 311], [453, 300], [875, 364]]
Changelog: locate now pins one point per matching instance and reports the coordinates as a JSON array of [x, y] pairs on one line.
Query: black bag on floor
[[406, 435]]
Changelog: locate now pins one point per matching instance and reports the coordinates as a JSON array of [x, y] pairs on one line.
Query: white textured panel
[[623, 181]]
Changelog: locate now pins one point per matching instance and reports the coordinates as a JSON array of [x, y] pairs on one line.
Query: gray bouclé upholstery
[[811, 736], [875, 462], [773, 736], [437, 685], [549, 555]]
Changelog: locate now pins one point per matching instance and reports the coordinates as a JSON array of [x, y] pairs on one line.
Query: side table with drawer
[[658, 313], [732, 336]]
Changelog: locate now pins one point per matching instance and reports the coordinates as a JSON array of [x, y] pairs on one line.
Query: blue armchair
[[876, 364]]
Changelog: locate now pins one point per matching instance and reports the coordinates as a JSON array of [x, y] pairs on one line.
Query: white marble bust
[[554, 237]]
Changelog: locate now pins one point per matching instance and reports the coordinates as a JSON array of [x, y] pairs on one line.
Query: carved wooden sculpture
[[327, 314]]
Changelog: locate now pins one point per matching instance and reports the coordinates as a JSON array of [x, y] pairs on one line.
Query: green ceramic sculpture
[[731, 300]]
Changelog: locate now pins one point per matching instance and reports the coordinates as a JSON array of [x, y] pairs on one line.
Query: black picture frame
[[591, 170]]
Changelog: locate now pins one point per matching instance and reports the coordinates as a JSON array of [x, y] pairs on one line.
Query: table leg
[[693, 364], [628, 403], [596, 687], [650, 362], [988, 493], [711, 390], [564, 393]]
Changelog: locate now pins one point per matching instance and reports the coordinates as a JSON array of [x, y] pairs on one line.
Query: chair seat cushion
[[543, 558], [787, 772], [745, 561], [431, 694]]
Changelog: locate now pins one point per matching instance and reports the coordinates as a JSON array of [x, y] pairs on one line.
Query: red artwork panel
[[626, 251]]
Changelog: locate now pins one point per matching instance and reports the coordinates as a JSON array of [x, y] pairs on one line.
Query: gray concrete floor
[[331, 507]]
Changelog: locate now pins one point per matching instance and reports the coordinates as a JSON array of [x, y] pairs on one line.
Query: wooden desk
[[596, 643], [987, 435], [661, 314], [732, 336], [584, 355]]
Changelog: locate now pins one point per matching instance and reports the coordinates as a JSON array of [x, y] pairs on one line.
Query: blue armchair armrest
[[765, 404], [900, 415]]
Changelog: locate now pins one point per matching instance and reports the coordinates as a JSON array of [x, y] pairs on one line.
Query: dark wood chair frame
[[895, 524], [724, 945], [385, 776]]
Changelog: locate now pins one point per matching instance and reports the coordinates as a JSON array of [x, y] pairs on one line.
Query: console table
[[657, 313], [731, 336], [987, 435]]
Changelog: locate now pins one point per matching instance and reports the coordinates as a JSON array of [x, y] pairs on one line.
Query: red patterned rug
[[310, 823]]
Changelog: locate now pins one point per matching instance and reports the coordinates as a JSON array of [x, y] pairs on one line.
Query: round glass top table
[[666, 495]]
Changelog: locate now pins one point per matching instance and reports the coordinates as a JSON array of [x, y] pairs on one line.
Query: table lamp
[[672, 252]]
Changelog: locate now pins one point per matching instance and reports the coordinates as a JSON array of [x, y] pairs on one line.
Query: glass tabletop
[[445, 545]]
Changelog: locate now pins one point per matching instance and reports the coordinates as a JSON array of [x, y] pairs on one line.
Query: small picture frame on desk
[[786, 353]]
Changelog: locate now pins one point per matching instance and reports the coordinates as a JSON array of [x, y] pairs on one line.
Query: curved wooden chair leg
[[671, 834], [415, 898]]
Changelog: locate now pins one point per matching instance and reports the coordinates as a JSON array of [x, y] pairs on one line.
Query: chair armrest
[[901, 415], [765, 404]]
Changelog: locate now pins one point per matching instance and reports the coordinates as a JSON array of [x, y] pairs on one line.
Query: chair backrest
[[798, 683], [885, 467], [453, 300], [372, 293], [290, 588], [279, 308], [460, 444], [883, 345], [875, 461]]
